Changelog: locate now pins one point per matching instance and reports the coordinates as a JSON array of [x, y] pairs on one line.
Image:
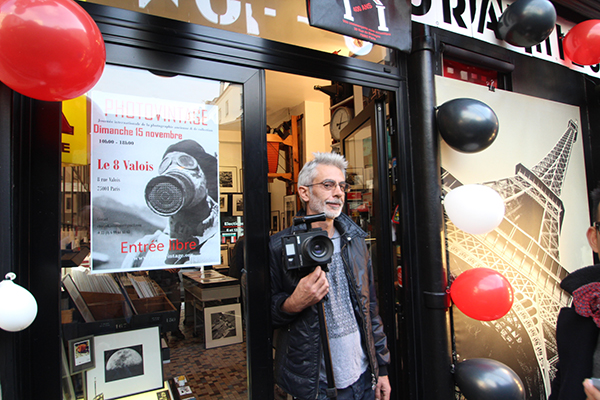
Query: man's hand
[[591, 392], [310, 290], [383, 388]]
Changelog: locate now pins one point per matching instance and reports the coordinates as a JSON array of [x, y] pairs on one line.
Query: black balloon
[[467, 125], [526, 23], [486, 379]]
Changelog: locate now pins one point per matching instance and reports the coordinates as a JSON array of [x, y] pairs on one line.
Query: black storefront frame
[[138, 40]]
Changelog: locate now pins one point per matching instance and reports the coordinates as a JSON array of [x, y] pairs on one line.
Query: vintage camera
[[308, 248]]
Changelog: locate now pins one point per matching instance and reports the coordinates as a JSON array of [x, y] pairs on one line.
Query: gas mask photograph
[[184, 191]]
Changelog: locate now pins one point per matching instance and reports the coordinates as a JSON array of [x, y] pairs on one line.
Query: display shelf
[[120, 312]]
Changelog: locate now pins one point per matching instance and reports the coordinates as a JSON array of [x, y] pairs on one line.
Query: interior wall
[[316, 138], [316, 133]]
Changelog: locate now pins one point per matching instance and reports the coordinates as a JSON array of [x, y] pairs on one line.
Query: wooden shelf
[[283, 176]]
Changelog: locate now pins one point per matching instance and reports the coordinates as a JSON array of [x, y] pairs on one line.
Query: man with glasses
[[358, 345], [578, 327]]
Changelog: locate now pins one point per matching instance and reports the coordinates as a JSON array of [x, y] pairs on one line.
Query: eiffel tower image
[[524, 249]]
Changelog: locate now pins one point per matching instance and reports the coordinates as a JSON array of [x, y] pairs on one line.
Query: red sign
[[383, 22]]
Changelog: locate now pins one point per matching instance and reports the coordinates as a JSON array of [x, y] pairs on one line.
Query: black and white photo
[[128, 362], [223, 325]]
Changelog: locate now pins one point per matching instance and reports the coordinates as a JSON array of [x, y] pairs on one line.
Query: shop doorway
[[307, 115]]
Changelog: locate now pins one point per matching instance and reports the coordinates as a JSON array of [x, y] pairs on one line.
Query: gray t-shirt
[[347, 355]]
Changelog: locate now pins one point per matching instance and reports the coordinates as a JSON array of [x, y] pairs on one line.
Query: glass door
[[359, 145]]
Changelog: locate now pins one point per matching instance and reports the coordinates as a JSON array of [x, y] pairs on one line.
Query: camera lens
[[318, 248]]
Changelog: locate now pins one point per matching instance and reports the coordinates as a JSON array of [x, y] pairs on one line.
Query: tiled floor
[[218, 373]]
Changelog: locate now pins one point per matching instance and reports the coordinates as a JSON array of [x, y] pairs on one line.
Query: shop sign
[[154, 183], [478, 19], [382, 22]]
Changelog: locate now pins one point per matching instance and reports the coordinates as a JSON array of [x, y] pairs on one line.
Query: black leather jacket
[[576, 340], [297, 338]]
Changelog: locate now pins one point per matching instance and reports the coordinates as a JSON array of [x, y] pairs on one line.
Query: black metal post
[[429, 281]]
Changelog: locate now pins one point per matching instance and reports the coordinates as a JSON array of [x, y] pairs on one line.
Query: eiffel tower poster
[[536, 165]]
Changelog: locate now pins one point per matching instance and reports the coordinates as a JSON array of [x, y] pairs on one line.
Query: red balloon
[[482, 294], [582, 43], [49, 49]]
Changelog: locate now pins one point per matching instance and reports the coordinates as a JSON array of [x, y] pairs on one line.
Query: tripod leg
[[331, 389]]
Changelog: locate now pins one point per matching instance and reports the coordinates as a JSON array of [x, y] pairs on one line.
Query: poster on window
[[154, 183]]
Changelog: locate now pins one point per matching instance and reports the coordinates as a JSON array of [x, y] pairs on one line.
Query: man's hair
[[595, 195], [309, 171]]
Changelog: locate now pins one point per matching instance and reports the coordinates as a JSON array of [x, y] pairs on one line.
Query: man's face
[[593, 235], [321, 200]]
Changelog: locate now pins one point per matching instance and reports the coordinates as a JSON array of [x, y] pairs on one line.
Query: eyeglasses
[[329, 185], [597, 225], [183, 160]]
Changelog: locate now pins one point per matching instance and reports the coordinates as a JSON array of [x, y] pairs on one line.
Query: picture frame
[[228, 179], [80, 303], [68, 202], [223, 325], [140, 350], [223, 203], [224, 256], [289, 206], [237, 205], [81, 354], [275, 221], [355, 177]]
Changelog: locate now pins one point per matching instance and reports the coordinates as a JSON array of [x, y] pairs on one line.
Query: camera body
[[307, 249]]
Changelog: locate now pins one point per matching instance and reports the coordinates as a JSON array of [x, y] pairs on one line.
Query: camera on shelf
[[308, 248]]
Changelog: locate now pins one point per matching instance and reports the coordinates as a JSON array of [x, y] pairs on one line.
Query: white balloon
[[18, 307], [476, 209]]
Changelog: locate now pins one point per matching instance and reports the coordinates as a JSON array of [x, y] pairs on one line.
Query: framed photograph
[[81, 354], [355, 177], [224, 256], [275, 221], [289, 204], [241, 182], [237, 204], [80, 303], [223, 325], [126, 363], [224, 203], [228, 179], [68, 202]]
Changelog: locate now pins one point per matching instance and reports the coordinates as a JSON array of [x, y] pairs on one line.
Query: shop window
[[152, 210], [468, 73]]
